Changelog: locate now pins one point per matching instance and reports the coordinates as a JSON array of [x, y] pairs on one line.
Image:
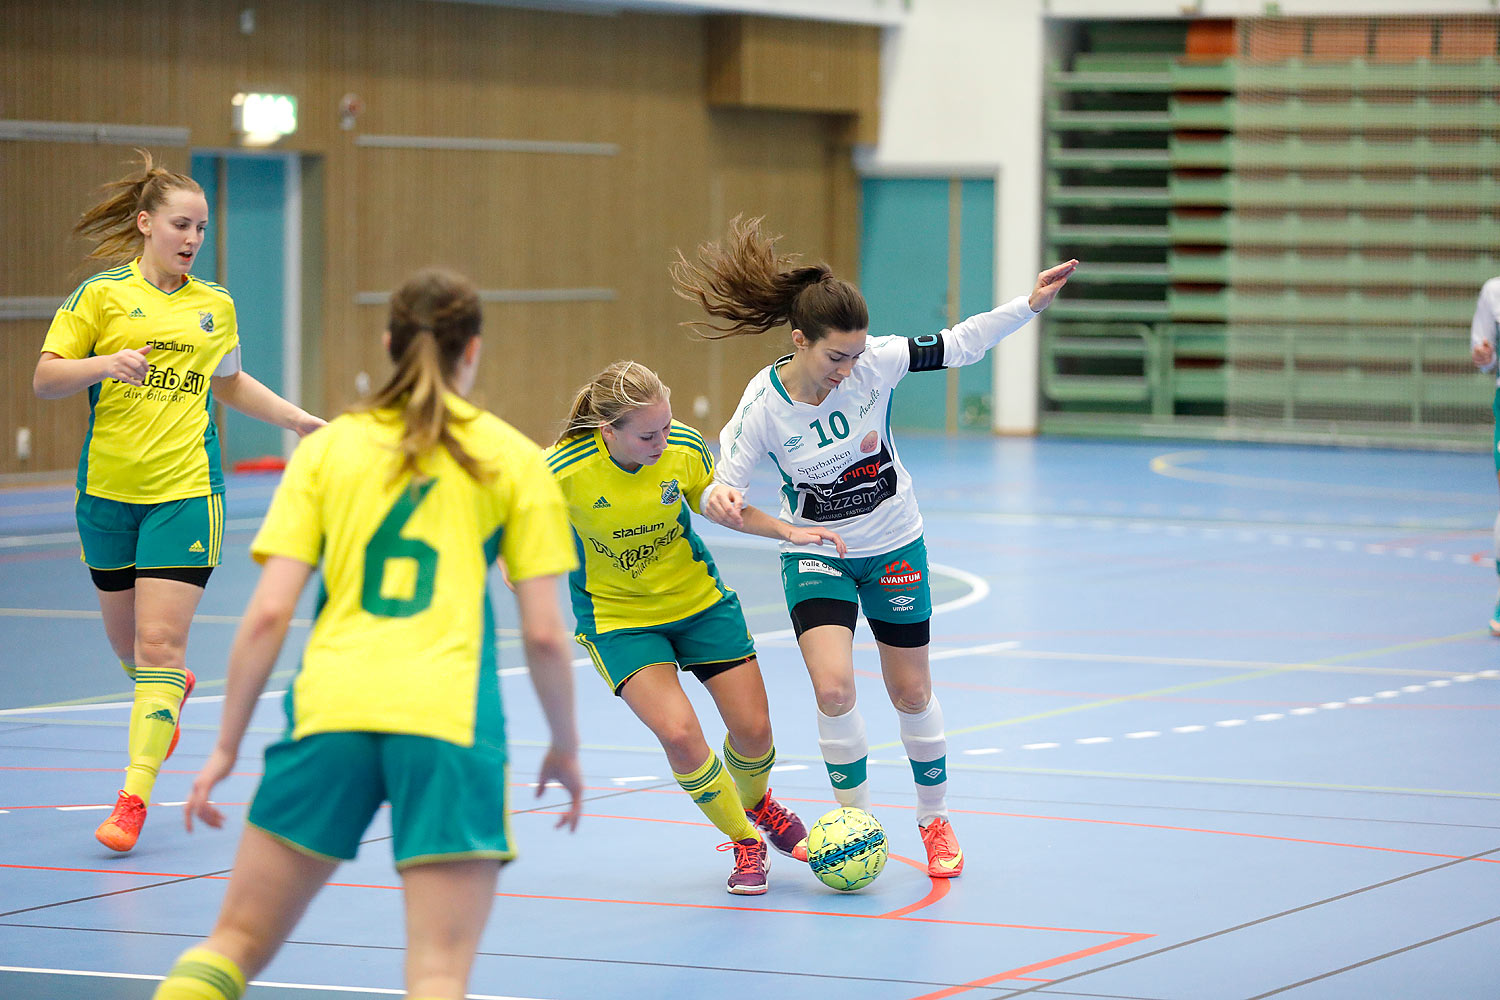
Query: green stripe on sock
[[850, 775], [216, 978], [757, 767], [709, 778], [930, 772]]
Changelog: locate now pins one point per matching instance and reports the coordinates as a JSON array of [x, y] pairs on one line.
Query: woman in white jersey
[[822, 416], [1482, 334]]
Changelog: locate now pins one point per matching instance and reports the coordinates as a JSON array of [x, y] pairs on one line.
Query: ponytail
[[743, 280], [110, 223], [433, 316], [612, 395]]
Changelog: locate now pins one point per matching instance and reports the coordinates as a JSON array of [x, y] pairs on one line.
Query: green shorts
[[118, 535], [1495, 452], [319, 794], [715, 636], [891, 588]]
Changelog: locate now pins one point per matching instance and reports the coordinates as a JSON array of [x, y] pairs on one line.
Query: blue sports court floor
[[1222, 724]]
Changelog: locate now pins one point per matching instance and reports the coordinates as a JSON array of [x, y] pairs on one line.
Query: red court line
[[1020, 971], [594, 899], [1230, 833], [974, 812], [939, 890]]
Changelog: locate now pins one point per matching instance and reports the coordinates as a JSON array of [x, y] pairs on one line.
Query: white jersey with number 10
[[837, 462]]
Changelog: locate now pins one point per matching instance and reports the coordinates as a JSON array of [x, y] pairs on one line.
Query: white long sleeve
[[972, 339], [1486, 323]]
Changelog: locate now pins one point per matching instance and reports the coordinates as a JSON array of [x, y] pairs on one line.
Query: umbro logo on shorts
[[600, 503], [196, 547]]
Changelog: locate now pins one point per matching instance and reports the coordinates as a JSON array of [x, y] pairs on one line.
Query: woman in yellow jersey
[[648, 599], [404, 506], [154, 346]]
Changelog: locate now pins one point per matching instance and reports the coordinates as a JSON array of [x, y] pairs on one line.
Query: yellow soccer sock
[[129, 669], [751, 777], [201, 974], [153, 719], [713, 791]]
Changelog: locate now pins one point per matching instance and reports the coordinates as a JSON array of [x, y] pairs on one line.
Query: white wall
[[961, 92]]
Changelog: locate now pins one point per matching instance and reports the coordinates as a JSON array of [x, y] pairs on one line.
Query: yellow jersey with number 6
[[403, 640]]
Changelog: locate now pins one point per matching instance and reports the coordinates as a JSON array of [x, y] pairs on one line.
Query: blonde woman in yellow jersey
[[154, 346], [404, 506], [648, 600]]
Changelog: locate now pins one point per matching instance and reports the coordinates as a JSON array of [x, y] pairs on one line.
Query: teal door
[[927, 260], [253, 220]]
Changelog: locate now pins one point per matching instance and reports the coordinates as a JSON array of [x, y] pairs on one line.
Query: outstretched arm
[[244, 393], [972, 339], [1486, 325]]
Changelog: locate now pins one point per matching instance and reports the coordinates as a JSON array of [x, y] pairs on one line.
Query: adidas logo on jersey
[[601, 503], [136, 313], [196, 547]]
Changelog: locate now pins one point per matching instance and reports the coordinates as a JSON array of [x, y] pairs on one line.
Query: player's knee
[[159, 646], [835, 697], [911, 699], [753, 739], [680, 738]]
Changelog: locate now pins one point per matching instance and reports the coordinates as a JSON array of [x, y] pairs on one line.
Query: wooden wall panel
[[509, 220]]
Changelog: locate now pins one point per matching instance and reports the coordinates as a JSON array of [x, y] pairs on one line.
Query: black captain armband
[[926, 353]]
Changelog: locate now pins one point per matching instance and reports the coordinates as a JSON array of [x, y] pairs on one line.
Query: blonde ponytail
[[612, 395], [433, 317], [110, 223]]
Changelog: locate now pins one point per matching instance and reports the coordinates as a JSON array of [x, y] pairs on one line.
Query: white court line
[[94, 706], [71, 613], [979, 590], [994, 647], [257, 982]]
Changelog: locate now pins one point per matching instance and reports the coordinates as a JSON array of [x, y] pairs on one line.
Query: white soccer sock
[[846, 753], [1497, 543], [927, 749]]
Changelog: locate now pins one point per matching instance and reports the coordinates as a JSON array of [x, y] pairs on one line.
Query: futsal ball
[[846, 849]]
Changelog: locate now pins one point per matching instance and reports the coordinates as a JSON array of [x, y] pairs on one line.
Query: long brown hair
[[110, 223], [434, 315], [611, 396], [743, 280]]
